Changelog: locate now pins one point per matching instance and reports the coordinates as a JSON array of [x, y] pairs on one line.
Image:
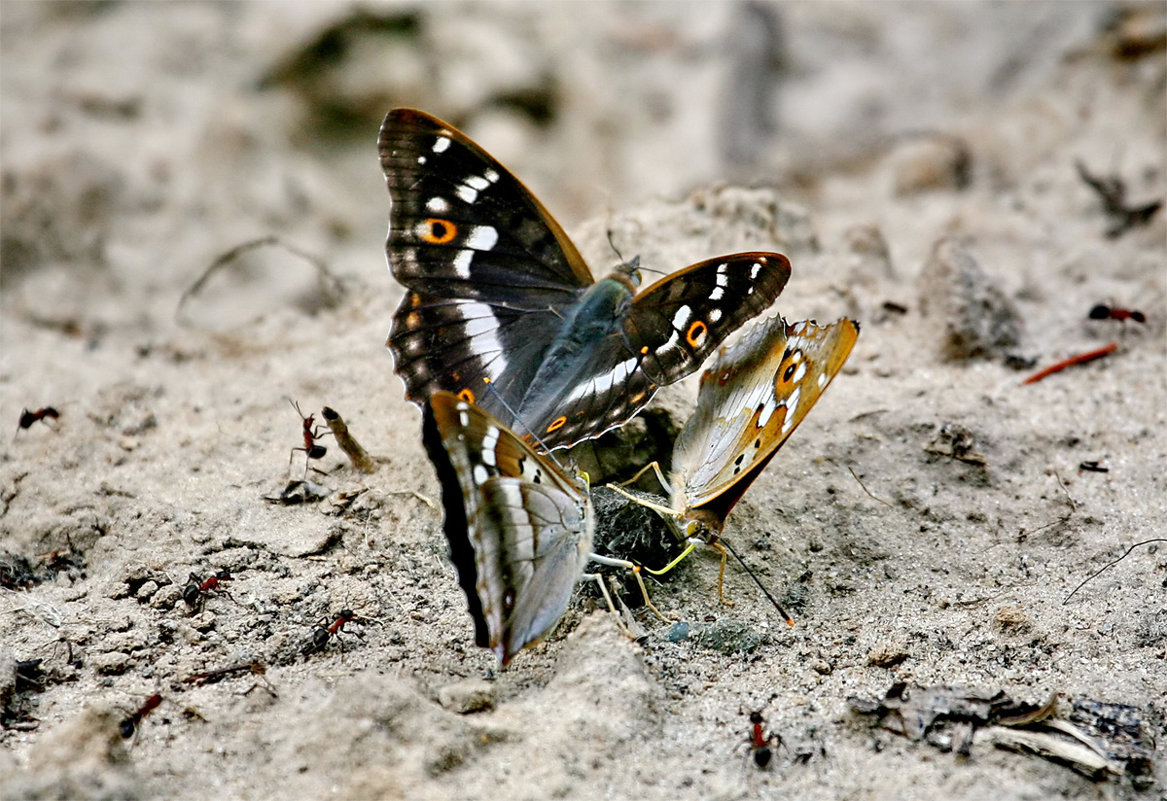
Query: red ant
[[130, 725], [762, 743], [42, 415], [1103, 312], [196, 590], [322, 632], [312, 450]]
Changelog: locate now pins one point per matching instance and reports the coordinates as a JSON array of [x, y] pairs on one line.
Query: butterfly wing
[[666, 333], [751, 399], [519, 530], [498, 294], [487, 269], [449, 197]]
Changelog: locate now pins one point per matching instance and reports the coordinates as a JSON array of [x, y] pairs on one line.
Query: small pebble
[[471, 695], [886, 655]]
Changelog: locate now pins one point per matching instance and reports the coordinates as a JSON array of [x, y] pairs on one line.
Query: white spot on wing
[[461, 263], [467, 193], [681, 318], [722, 276], [421, 159], [716, 293], [490, 175], [482, 237], [482, 327], [791, 408], [489, 443], [441, 144], [800, 373], [715, 315], [767, 412], [757, 268], [481, 474], [602, 383], [477, 182], [438, 204], [822, 380]]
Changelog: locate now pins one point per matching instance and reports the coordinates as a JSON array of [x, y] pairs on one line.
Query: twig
[[1109, 565], [329, 282], [352, 449], [1080, 358], [1064, 518], [864, 488]]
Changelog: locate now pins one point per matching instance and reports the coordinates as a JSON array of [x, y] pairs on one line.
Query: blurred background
[[140, 140]]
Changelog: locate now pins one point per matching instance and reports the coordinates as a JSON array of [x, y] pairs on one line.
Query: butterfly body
[[496, 294], [519, 530], [751, 399]]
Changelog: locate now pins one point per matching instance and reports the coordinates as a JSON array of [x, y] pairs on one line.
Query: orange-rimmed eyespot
[[557, 423], [696, 333], [466, 395], [437, 232], [790, 369]]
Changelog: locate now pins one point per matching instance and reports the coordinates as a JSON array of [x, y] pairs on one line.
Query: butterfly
[[750, 400], [520, 531], [501, 309]]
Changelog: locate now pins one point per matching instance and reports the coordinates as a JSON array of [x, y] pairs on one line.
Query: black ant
[[323, 631], [1104, 312], [312, 432], [130, 724], [196, 589], [42, 415]]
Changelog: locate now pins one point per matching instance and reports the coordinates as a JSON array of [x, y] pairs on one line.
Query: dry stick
[[1064, 518], [1105, 567], [206, 677], [1081, 358], [329, 282], [352, 449], [864, 488]]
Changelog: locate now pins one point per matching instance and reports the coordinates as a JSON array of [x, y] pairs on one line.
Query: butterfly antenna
[[789, 620], [612, 244]]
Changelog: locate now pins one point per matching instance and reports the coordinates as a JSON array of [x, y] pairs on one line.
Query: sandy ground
[[916, 162]]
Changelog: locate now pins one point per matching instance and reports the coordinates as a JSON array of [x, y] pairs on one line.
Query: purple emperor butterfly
[[520, 531], [751, 399], [497, 294]]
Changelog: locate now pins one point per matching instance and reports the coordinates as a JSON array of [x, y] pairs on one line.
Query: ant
[[129, 725], [42, 415], [312, 432], [196, 590], [761, 742], [322, 632], [1104, 312]]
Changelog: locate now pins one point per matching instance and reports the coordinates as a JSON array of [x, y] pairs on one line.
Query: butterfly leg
[[635, 570], [721, 574], [664, 511], [654, 465], [599, 579]]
